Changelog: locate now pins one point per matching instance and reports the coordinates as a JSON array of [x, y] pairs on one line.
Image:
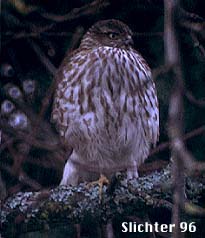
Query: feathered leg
[[70, 173]]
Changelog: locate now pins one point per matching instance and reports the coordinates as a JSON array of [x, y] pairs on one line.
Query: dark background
[[145, 18], [22, 24]]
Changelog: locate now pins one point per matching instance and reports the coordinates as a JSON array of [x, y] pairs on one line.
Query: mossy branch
[[32, 211]]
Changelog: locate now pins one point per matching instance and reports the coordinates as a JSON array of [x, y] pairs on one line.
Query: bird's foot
[[100, 182], [132, 174]]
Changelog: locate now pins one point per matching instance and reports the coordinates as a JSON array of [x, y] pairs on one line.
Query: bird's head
[[111, 32]]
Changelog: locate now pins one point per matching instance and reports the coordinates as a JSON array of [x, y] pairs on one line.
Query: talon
[[100, 182]]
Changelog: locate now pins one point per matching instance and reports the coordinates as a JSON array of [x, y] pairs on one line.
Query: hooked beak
[[129, 40]]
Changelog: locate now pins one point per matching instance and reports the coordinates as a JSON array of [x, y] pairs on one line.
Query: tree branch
[[86, 10], [67, 205], [172, 57]]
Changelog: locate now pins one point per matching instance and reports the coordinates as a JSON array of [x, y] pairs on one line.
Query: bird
[[105, 105]]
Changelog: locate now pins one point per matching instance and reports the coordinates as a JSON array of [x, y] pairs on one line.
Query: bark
[[50, 211]]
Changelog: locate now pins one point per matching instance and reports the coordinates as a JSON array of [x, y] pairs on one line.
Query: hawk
[[105, 105]]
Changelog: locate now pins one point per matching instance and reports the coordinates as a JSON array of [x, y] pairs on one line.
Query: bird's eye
[[112, 35]]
